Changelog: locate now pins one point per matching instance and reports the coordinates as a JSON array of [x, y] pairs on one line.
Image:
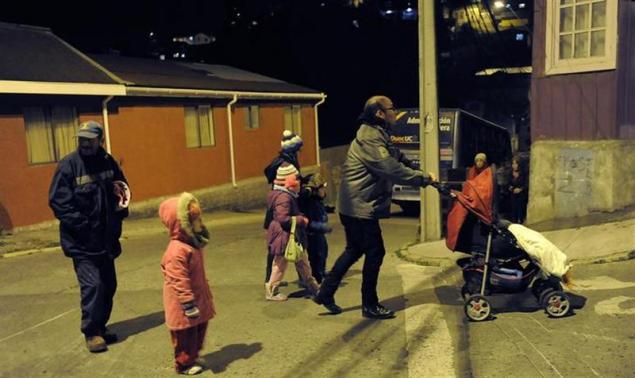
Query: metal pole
[[429, 119], [486, 265], [230, 130]]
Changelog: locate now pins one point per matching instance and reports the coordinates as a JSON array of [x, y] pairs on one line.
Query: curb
[[9, 255], [446, 262]]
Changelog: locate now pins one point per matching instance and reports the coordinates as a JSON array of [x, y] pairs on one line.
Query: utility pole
[[429, 120]]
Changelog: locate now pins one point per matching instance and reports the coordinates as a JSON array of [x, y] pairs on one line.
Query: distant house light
[[151, 34], [175, 55], [520, 37], [499, 4], [389, 11], [521, 5], [161, 57], [254, 23], [182, 55], [322, 4], [409, 9]]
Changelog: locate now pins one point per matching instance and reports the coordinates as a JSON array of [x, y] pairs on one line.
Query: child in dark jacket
[[313, 206]]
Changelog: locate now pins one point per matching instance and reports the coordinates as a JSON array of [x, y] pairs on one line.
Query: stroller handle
[[441, 188]]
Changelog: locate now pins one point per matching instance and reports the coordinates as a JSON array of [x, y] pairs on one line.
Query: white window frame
[[554, 65], [198, 126], [293, 119], [251, 122]]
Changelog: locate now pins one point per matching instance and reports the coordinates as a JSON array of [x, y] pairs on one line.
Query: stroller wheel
[[556, 303], [477, 308]]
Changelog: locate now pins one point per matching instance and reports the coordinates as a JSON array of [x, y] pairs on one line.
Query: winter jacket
[[285, 206], [82, 197], [183, 268], [372, 165], [313, 207]]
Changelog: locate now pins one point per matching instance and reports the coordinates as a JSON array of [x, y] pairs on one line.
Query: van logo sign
[[412, 121]]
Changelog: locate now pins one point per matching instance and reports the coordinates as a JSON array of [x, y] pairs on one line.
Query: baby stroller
[[497, 263]]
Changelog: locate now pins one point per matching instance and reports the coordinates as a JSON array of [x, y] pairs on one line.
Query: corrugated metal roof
[[170, 74], [35, 54]]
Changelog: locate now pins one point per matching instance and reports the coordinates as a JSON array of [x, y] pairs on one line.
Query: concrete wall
[[572, 179]]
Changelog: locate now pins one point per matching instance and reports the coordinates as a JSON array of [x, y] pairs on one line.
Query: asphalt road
[[39, 313]]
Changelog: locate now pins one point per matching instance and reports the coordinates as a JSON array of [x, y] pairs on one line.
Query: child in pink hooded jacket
[[187, 298]]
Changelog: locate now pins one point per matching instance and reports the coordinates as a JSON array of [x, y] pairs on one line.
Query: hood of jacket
[[174, 214]]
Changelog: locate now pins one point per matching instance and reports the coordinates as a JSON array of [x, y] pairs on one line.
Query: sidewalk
[[47, 239], [596, 243]]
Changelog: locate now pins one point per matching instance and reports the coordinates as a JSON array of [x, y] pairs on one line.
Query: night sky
[[348, 52]]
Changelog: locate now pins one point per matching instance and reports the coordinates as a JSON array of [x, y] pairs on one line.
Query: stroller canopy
[[477, 198]]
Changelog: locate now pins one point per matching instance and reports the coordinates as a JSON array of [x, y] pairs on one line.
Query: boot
[[96, 344], [272, 294]]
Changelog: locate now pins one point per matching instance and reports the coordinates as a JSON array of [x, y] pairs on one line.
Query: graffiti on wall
[[573, 175]]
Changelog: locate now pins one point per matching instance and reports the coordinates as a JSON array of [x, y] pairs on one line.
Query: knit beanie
[[290, 142], [284, 171], [480, 156]]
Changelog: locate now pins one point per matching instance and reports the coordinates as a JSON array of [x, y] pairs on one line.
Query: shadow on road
[[219, 360], [130, 327]]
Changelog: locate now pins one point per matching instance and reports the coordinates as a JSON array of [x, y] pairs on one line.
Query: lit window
[[50, 133], [293, 119], [199, 126], [253, 117], [581, 36]]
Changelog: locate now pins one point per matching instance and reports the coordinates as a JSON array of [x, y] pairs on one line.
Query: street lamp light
[[499, 4]]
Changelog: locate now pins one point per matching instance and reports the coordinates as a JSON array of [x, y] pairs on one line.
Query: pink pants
[[280, 266], [187, 344]]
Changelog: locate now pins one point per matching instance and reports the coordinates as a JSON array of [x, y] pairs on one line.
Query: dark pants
[[519, 208], [363, 237], [187, 344], [97, 283], [318, 250]]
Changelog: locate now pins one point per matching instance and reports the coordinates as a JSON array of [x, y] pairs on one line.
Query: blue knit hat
[[290, 142]]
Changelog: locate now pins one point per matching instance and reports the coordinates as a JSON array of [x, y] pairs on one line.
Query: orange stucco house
[[173, 126]]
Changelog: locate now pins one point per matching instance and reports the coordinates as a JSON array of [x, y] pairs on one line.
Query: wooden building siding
[[581, 106], [626, 75]]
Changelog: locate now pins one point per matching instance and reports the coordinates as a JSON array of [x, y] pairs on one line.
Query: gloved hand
[[190, 310]]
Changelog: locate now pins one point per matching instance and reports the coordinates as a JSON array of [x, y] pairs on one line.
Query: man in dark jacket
[[89, 196], [372, 165]]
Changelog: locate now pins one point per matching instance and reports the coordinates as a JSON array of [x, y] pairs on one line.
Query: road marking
[[430, 347], [539, 352], [601, 283], [37, 325], [612, 306]]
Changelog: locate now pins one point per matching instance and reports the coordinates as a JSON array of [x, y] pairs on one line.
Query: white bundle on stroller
[[545, 253]]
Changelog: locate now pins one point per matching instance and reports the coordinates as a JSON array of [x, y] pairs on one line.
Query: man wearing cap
[[89, 195], [372, 165]]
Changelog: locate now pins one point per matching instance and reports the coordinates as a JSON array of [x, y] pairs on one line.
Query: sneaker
[[272, 294], [329, 305], [96, 344], [377, 312], [192, 370]]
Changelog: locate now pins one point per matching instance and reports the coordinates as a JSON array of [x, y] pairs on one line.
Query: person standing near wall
[[372, 165], [89, 195], [518, 192]]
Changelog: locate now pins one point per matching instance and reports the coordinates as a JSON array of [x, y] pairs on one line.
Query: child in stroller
[[504, 257]]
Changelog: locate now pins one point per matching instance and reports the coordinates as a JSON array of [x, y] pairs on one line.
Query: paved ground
[[252, 337]]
